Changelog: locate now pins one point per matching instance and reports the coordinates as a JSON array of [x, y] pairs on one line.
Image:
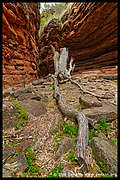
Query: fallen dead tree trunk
[[81, 154]]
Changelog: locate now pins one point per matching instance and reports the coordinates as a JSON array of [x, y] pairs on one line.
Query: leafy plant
[[22, 116], [102, 167], [71, 157], [3, 162], [92, 134], [103, 126], [106, 176], [52, 86], [43, 20], [103, 123], [70, 130], [16, 127], [12, 160], [55, 172], [73, 120], [65, 129], [33, 168], [11, 144], [114, 141]]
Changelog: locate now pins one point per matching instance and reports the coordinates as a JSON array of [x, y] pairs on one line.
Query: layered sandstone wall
[[20, 53], [89, 30], [90, 33]]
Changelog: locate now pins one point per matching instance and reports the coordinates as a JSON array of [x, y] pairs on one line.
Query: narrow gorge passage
[[38, 140]]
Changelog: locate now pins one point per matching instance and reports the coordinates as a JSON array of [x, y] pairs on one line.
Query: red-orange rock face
[[90, 34], [89, 31], [20, 53]]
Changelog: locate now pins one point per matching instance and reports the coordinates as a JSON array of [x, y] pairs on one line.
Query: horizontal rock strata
[[89, 31], [20, 53]]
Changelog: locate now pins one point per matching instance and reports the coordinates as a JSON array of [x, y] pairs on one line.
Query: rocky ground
[[41, 142]]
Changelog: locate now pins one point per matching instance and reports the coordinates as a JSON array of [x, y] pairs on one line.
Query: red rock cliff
[[89, 32], [20, 53]]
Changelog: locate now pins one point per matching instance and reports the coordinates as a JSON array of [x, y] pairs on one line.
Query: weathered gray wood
[[60, 65], [85, 91], [71, 69], [56, 60], [81, 153], [63, 60]]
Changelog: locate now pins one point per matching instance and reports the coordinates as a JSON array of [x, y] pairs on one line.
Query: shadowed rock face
[[89, 31], [20, 26], [90, 34]]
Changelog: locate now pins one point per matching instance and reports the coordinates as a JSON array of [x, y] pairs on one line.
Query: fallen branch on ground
[[84, 91], [81, 154]]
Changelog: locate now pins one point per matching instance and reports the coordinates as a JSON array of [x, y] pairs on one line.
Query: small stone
[[47, 83], [38, 98], [38, 82], [17, 93], [28, 89], [8, 92]]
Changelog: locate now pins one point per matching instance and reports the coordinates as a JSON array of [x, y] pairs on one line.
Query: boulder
[[20, 163], [33, 106], [87, 101], [65, 144], [22, 91], [105, 152], [9, 116], [8, 92], [109, 77], [7, 152], [107, 112]]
